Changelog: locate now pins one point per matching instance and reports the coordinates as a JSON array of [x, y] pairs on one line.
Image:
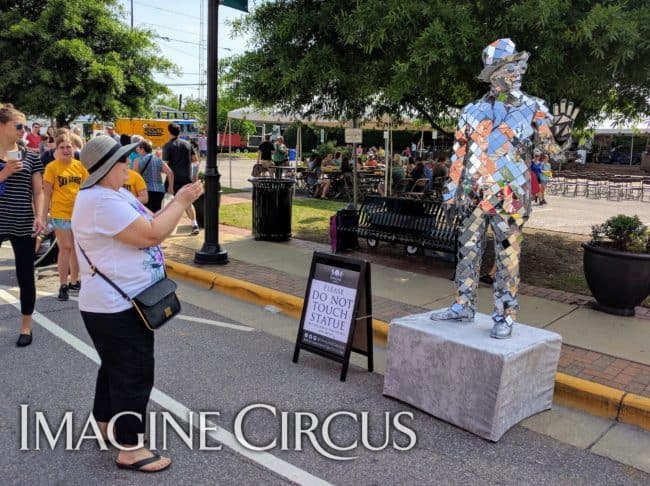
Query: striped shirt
[[16, 206]]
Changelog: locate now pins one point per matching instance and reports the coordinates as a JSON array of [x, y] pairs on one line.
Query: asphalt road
[[222, 356]]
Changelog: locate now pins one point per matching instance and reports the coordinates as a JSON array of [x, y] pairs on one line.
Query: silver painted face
[[509, 76]]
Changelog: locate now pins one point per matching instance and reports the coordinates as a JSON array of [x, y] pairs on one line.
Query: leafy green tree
[[64, 58], [421, 57]]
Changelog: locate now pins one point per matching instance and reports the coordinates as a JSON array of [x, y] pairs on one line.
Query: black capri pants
[[24, 249], [126, 373], [154, 204]]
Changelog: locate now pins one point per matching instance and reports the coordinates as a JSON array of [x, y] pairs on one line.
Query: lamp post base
[[211, 255]]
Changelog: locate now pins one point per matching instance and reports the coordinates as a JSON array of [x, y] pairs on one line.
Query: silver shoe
[[456, 312], [502, 329]]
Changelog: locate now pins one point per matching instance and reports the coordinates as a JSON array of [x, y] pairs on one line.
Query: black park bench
[[416, 223]]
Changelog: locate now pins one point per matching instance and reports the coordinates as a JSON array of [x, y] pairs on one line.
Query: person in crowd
[[121, 238], [51, 135], [371, 162], [265, 154], [410, 165], [177, 153], [33, 138], [151, 168], [314, 181], [441, 169], [535, 169], [61, 182], [398, 171], [48, 155], [136, 185], [338, 182], [133, 156], [543, 177], [203, 145], [21, 191], [418, 171], [280, 152], [77, 142], [43, 145], [337, 159], [328, 162], [76, 130], [109, 129]]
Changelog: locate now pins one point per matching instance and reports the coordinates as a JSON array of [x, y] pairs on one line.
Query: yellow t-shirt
[[66, 178], [135, 183]]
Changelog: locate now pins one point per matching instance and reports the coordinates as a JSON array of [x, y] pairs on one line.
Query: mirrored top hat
[[497, 54]]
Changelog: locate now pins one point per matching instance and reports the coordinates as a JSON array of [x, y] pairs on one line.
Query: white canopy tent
[[632, 128], [277, 118]]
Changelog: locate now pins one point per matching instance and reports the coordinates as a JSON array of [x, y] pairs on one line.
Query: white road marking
[[264, 459], [182, 317], [214, 323]]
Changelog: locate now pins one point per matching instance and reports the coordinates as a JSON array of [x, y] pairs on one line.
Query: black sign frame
[[359, 338]]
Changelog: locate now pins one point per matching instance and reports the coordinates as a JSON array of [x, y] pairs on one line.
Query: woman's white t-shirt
[[99, 214]]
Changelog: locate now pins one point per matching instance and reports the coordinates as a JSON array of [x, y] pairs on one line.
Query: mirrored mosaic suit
[[490, 182]]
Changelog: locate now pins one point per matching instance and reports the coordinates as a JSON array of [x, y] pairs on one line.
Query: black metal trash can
[[272, 201]]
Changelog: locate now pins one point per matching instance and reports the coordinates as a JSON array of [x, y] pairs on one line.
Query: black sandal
[[24, 340], [137, 466]]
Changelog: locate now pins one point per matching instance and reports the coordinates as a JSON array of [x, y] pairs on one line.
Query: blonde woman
[[61, 182]]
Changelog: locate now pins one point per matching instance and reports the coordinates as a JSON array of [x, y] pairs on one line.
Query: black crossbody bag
[[156, 304]]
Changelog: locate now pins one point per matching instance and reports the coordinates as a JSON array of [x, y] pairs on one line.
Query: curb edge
[[570, 391]]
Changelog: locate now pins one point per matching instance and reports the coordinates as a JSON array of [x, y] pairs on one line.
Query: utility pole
[[131, 14], [201, 93], [211, 252]]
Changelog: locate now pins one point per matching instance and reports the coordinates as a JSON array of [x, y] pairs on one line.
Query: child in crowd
[[61, 182]]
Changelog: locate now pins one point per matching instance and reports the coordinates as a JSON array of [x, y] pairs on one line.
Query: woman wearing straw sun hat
[[122, 239]]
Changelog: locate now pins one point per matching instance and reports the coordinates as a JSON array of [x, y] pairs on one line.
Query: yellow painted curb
[[596, 399], [256, 294], [593, 398], [635, 410]]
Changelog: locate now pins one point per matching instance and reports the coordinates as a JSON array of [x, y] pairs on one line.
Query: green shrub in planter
[[617, 264]]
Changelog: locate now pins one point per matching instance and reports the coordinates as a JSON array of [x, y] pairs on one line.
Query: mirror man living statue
[[490, 182]]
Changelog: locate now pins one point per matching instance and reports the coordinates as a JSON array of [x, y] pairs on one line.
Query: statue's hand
[[564, 116]]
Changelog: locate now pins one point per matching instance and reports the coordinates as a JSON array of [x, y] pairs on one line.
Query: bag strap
[[145, 166], [96, 270]]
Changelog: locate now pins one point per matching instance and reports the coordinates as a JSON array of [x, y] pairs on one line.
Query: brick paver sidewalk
[[590, 365]]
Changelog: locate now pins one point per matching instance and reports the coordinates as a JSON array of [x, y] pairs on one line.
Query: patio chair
[[645, 189], [570, 184], [419, 187], [402, 187]]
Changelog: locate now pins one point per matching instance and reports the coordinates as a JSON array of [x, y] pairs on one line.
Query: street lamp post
[[211, 252]]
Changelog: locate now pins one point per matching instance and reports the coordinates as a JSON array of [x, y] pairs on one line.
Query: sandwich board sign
[[337, 313]]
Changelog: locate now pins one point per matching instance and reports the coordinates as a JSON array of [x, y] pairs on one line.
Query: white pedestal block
[[458, 373]]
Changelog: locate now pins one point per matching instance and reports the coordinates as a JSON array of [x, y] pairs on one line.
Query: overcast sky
[[179, 22]]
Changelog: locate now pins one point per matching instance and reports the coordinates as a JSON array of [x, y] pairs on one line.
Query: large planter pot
[[618, 280]]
